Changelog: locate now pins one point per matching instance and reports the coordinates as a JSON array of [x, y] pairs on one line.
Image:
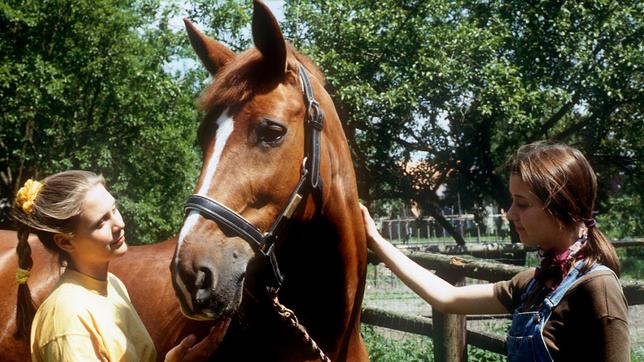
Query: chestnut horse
[[261, 154], [253, 143]]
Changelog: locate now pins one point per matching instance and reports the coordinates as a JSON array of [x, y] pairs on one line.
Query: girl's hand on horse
[[373, 236], [188, 351]]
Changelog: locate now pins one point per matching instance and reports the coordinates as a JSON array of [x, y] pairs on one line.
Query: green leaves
[[469, 82], [453, 87], [82, 85], [228, 21]]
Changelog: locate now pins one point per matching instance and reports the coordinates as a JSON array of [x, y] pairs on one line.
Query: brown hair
[[55, 210], [564, 181]]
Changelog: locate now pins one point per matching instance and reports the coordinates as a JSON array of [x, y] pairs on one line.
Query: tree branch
[[556, 117], [604, 111], [413, 146]]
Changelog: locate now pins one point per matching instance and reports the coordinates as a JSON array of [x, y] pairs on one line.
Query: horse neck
[[324, 259], [341, 206]]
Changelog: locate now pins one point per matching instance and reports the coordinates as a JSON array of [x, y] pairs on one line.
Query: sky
[[276, 6]]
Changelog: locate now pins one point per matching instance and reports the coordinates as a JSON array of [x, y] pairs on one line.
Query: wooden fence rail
[[492, 271], [424, 326], [451, 346], [496, 250], [628, 242]]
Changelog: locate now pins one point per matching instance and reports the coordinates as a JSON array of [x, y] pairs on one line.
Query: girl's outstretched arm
[[470, 299]]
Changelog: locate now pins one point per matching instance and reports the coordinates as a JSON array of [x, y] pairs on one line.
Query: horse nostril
[[203, 283], [203, 279]]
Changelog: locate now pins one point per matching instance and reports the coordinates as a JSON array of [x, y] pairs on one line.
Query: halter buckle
[[315, 115], [304, 170]]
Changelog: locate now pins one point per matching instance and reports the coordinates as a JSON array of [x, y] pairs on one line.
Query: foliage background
[[83, 85], [451, 87], [455, 87]]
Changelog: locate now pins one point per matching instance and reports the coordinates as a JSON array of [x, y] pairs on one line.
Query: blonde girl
[[89, 315]]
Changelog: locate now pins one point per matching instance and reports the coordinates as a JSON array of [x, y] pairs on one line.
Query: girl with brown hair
[[89, 315], [572, 306]]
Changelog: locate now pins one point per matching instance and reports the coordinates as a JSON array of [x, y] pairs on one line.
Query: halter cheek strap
[[314, 123], [264, 243]]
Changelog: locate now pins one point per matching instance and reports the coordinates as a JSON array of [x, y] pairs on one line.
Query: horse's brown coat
[[323, 257]]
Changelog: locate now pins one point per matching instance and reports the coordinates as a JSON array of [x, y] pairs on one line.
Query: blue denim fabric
[[525, 339]]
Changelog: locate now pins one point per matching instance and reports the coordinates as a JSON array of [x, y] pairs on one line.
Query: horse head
[[254, 144]]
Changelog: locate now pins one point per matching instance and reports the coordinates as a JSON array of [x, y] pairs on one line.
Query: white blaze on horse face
[[225, 126]]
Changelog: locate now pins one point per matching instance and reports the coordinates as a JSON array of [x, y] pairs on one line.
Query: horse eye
[[270, 132]]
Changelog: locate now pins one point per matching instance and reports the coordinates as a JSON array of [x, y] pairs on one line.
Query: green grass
[[410, 347], [407, 348], [413, 348], [637, 353]]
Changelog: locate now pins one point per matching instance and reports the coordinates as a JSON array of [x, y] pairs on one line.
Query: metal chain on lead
[[289, 316]]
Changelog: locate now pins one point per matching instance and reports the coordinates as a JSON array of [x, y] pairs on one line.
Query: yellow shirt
[[85, 319]]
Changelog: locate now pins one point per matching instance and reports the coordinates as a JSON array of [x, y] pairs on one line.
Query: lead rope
[[290, 317]]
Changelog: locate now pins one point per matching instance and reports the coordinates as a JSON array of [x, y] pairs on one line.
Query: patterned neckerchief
[[554, 267]]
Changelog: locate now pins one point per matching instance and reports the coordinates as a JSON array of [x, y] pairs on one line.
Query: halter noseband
[[264, 243]]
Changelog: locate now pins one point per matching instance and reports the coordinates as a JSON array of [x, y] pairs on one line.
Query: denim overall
[[525, 339]]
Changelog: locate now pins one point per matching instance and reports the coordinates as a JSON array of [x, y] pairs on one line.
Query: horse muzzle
[[209, 283]]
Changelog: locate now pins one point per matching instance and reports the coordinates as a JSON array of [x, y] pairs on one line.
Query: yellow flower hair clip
[[27, 195]]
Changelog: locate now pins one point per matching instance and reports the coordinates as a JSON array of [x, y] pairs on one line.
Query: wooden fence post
[[449, 329]]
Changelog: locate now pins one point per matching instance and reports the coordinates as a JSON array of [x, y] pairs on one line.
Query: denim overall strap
[[525, 338], [528, 290], [555, 297]]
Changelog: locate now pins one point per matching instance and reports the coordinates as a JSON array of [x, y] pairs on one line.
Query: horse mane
[[240, 78]]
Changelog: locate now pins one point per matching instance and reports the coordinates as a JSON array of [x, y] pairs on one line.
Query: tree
[[83, 85], [460, 85]]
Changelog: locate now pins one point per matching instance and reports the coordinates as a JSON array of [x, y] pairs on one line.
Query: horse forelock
[[239, 79]]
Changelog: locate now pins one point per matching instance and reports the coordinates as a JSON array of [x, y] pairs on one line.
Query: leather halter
[[264, 243]]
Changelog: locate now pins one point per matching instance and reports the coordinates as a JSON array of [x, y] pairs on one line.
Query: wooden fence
[[510, 253], [496, 248], [449, 332]]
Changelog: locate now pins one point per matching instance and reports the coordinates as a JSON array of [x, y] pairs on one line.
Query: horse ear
[[268, 39], [212, 53]]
